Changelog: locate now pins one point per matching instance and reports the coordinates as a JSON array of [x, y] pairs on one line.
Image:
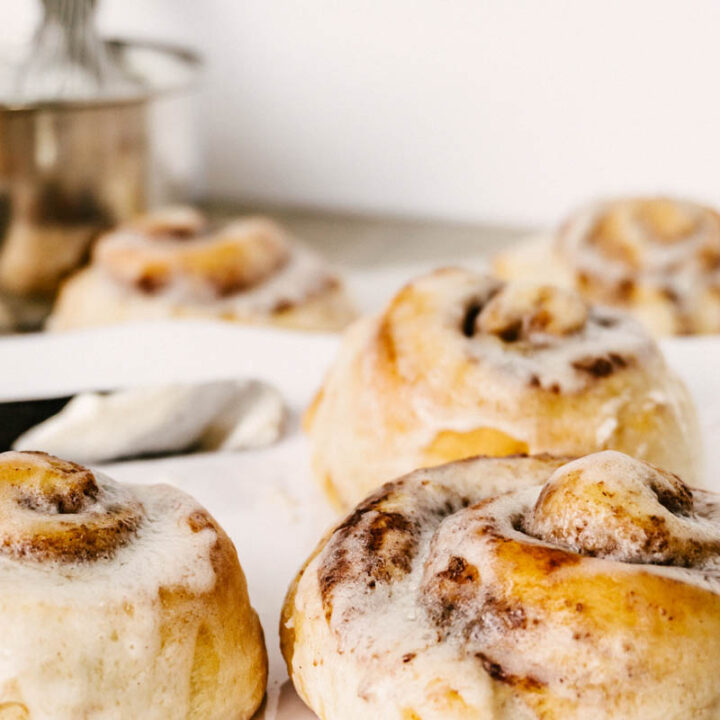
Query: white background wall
[[466, 109]]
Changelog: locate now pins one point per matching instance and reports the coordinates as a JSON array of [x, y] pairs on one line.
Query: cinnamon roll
[[461, 364], [174, 263], [658, 258], [119, 601], [517, 588]]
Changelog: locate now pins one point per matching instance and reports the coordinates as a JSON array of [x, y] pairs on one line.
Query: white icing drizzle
[[392, 611], [164, 552], [304, 275], [676, 266], [551, 358], [389, 618]]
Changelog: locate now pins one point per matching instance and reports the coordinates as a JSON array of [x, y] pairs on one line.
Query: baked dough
[[461, 364], [175, 264], [514, 589], [119, 601], [658, 258]]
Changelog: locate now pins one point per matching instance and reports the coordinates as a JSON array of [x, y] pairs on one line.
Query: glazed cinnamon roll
[[658, 258], [516, 588], [119, 601], [175, 263], [461, 364]]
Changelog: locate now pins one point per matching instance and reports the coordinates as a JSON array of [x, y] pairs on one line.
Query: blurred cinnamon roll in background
[[461, 364], [119, 601], [174, 263], [658, 258], [514, 588]]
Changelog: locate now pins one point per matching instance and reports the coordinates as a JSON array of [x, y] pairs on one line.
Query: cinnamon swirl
[[515, 588], [174, 263], [658, 258], [119, 601], [461, 364]]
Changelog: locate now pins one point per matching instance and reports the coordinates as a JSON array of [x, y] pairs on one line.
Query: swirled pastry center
[[670, 246], [54, 509], [549, 336], [165, 250], [653, 233], [175, 256], [622, 509]]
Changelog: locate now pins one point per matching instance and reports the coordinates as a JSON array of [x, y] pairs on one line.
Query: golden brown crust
[[515, 605], [460, 365], [229, 628]]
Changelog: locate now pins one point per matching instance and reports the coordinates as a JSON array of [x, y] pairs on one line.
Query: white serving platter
[[265, 499]]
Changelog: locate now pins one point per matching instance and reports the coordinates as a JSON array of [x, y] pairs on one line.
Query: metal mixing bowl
[[70, 169]]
